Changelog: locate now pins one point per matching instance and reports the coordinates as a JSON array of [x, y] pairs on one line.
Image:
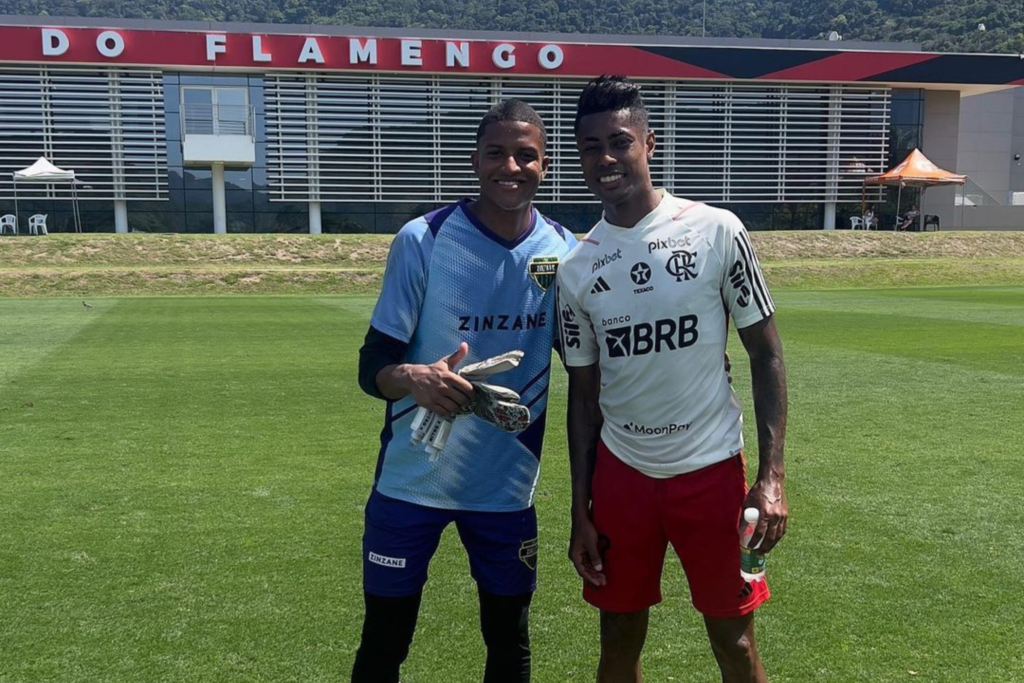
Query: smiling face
[[510, 162], [615, 153]]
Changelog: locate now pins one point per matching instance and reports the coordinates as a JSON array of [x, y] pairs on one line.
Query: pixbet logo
[[670, 243], [605, 260], [641, 339]]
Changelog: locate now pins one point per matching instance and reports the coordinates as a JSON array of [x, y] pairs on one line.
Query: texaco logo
[[640, 273]]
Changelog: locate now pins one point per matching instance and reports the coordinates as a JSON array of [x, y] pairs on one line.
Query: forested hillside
[[947, 25]]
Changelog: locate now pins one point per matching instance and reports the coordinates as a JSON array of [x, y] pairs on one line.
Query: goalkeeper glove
[[492, 403]]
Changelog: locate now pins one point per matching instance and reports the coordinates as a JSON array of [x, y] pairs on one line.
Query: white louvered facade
[[107, 125], [384, 138]]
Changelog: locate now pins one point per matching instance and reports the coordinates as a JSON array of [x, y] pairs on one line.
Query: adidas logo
[[600, 286]]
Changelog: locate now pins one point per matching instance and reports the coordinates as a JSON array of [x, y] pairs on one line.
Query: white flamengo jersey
[[650, 304]]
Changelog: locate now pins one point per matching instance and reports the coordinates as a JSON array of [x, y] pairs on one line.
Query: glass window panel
[[198, 178], [333, 223], [172, 127], [154, 221], [175, 154], [240, 222], [232, 97], [289, 218], [211, 81], [237, 200], [199, 200], [199, 222], [197, 96], [172, 96], [235, 179]]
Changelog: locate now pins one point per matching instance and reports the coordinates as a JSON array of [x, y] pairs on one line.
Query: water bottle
[[751, 563]]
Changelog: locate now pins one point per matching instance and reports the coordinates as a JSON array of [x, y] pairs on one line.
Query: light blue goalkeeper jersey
[[450, 279]]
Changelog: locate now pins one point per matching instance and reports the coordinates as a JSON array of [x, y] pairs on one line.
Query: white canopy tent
[[42, 171]]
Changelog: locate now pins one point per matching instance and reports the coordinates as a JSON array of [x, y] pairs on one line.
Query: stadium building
[[208, 127]]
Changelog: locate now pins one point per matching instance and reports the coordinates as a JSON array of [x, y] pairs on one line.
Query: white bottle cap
[[751, 515]]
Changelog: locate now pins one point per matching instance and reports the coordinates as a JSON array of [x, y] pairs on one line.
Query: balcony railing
[[217, 119]]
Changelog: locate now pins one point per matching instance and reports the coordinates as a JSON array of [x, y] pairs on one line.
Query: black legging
[[390, 623]]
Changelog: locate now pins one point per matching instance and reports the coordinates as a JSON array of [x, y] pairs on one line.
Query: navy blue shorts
[[401, 538]]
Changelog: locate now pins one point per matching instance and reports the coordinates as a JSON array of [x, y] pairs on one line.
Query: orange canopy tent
[[916, 171]]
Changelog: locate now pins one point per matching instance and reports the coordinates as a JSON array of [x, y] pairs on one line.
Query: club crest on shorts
[[542, 270], [528, 554]]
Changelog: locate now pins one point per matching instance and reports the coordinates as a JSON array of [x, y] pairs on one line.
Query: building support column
[[120, 216], [220, 216], [835, 161], [314, 218], [830, 215], [313, 154]]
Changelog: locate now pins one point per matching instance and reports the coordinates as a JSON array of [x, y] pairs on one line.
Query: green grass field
[[182, 482]]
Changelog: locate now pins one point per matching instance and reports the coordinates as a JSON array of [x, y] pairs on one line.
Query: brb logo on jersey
[[570, 328], [641, 339], [738, 278]]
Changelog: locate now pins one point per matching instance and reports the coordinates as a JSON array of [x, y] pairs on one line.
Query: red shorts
[[697, 512]]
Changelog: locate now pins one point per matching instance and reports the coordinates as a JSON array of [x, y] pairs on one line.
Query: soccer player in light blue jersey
[[464, 283]]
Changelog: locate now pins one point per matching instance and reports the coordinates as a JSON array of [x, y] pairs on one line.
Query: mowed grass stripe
[[29, 331], [988, 296], [984, 346], [186, 505], [901, 474], [196, 513], [921, 303]]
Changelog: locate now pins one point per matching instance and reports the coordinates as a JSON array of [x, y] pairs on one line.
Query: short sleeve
[[579, 342], [744, 290], [405, 280]]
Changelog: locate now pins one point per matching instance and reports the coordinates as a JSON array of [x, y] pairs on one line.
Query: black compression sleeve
[[379, 351], [387, 633]]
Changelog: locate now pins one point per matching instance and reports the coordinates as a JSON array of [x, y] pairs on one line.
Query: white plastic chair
[[9, 221], [37, 223], [856, 222]]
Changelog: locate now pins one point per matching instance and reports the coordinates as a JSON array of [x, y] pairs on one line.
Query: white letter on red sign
[[216, 44], [551, 57], [55, 42], [258, 55], [357, 52], [411, 53], [110, 44], [503, 56], [311, 51], [456, 53]]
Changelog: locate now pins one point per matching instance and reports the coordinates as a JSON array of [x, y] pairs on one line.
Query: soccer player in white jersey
[[655, 431], [467, 282]]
